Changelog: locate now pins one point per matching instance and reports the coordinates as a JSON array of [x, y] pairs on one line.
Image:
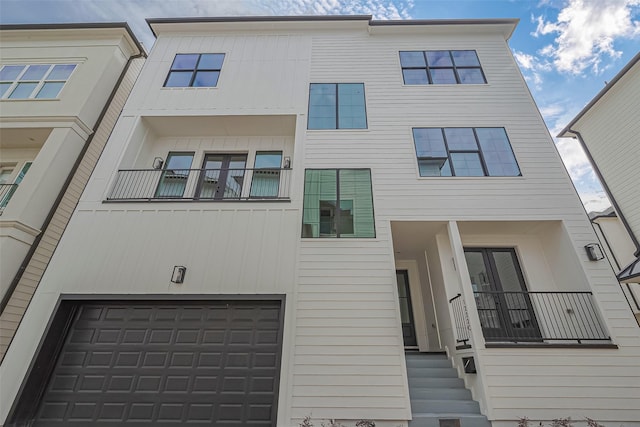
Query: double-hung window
[[464, 152], [338, 203], [195, 70], [337, 106], [36, 81], [441, 67]]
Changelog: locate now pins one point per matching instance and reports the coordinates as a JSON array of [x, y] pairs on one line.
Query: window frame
[[337, 106], [481, 156], [194, 71], [338, 208], [453, 67], [39, 83]]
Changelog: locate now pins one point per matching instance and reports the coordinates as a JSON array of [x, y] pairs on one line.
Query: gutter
[[65, 186]]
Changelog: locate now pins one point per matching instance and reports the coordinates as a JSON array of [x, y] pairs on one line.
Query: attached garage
[[159, 363]]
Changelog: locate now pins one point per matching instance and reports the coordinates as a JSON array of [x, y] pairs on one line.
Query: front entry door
[[222, 176], [406, 313], [504, 307]]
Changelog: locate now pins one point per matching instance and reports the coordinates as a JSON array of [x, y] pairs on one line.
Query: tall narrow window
[[173, 180], [441, 67], [464, 152], [338, 203], [266, 174], [337, 106], [195, 70]]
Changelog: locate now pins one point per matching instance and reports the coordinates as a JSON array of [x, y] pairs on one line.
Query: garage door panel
[[164, 364]]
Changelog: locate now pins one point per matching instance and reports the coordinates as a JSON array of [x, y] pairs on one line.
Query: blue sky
[[567, 49]]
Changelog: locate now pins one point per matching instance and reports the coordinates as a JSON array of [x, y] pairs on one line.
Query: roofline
[[78, 25], [302, 18], [630, 64]]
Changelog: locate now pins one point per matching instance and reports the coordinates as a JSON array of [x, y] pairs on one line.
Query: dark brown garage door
[[166, 365]]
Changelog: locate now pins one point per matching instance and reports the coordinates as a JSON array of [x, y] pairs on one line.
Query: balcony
[[531, 317], [6, 191], [263, 184]]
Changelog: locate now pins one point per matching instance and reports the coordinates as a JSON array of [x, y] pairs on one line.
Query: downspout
[[608, 191], [63, 190]]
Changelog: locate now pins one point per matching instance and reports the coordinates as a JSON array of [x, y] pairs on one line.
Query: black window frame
[[337, 106], [195, 70], [453, 67], [337, 216], [479, 151]]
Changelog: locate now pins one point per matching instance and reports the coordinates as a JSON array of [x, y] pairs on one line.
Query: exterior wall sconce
[[594, 252], [287, 162], [178, 274], [158, 162], [469, 365]]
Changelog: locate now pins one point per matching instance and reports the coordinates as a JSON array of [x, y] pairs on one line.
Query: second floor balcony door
[[222, 176], [504, 306]]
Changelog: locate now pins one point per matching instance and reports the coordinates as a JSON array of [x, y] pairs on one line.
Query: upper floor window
[[441, 67], [36, 81], [337, 106], [464, 152], [195, 70], [338, 203]]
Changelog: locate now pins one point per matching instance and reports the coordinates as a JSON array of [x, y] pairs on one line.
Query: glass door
[[222, 176], [175, 175], [504, 307], [406, 312]]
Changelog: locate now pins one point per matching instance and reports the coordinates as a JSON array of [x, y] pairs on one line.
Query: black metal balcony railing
[[461, 319], [6, 191], [201, 184], [535, 317]]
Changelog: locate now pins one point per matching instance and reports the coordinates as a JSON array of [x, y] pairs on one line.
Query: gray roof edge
[[600, 94], [480, 21], [77, 25]]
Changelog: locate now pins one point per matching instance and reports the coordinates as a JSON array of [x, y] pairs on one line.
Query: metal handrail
[[6, 192], [201, 184]]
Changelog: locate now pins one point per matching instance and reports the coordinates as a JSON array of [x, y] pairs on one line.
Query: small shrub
[[371, 423], [306, 422], [562, 422]]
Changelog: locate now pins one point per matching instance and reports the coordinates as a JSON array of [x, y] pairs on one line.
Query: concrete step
[[444, 406], [428, 362], [435, 382], [432, 420], [440, 393], [432, 373]]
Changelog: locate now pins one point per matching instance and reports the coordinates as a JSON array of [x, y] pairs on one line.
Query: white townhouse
[[332, 217], [607, 129], [62, 87]]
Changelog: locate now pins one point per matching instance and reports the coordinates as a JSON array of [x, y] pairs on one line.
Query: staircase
[[438, 396]]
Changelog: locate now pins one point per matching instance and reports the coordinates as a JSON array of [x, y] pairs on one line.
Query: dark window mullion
[[446, 146], [337, 211], [195, 69], [337, 108], [455, 67], [484, 165], [427, 69]]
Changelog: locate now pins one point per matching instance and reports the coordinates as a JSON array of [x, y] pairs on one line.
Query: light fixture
[[158, 162], [287, 162], [469, 365], [178, 274], [594, 252]]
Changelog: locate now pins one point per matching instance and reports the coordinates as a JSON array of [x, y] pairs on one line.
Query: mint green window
[[338, 203]]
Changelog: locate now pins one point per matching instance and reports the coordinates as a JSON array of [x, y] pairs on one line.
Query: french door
[[504, 306], [222, 176]]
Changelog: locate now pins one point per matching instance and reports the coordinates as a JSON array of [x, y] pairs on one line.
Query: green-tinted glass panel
[[351, 107], [320, 195], [355, 186], [175, 175], [266, 174], [322, 106]]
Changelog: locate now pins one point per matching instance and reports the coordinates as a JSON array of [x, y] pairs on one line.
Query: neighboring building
[[62, 87], [619, 248], [608, 129], [296, 216]]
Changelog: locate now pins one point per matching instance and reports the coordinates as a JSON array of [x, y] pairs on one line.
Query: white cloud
[[574, 159], [532, 67], [380, 9], [586, 31]]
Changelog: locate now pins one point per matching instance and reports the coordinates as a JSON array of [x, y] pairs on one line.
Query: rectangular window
[[441, 67], [36, 81], [195, 70], [464, 152], [338, 203], [175, 174], [337, 106], [266, 174]]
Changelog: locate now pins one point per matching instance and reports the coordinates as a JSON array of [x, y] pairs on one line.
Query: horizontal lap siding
[[543, 192]]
